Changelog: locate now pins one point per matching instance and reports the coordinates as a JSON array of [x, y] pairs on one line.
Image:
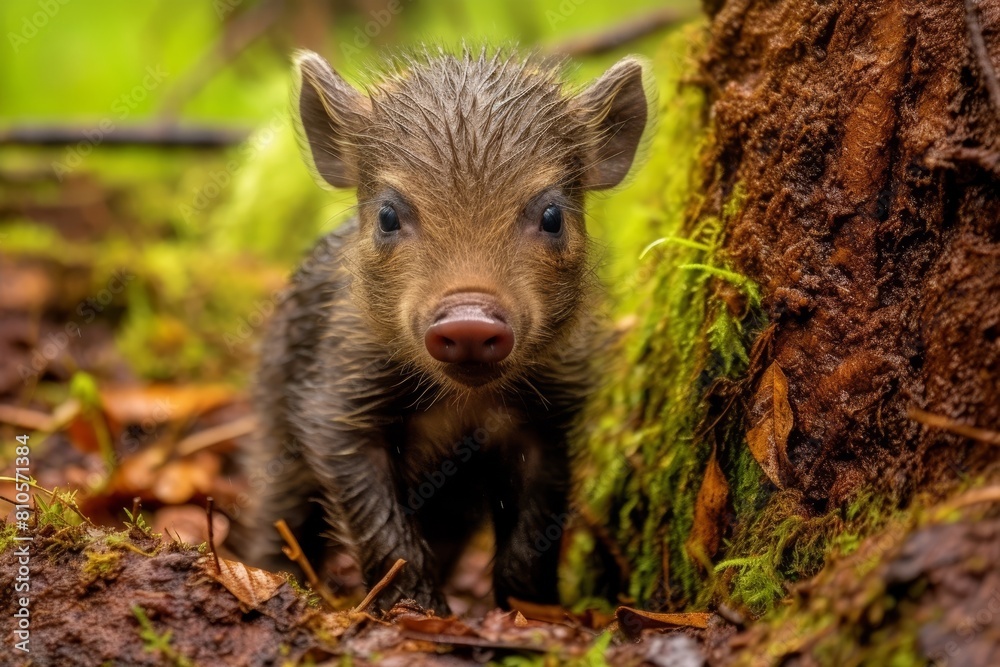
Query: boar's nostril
[[466, 333]]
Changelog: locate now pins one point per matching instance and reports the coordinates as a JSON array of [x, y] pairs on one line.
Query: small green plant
[[137, 523], [154, 642]]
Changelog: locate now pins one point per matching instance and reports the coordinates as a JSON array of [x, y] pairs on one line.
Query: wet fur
[[356, 416]]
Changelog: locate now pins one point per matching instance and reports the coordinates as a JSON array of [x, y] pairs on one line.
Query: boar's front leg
[[529, 499], [361, 501]]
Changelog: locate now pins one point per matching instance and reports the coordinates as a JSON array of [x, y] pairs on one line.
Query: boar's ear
[[617, 109], [329, 113]]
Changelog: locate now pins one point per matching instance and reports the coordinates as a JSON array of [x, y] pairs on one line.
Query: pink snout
[[473, 329]]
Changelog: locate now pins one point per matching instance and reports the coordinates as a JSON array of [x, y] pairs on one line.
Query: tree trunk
[[868, 147], [837, 362]]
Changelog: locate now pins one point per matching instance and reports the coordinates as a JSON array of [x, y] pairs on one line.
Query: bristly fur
[[356, 415], [467, 119]]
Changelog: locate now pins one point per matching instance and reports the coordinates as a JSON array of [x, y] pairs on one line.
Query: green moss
[[851, 612], [154, 642], [689, 322], [692, 319], [780, 543], [310, 596], [101, 563], [8, 531]]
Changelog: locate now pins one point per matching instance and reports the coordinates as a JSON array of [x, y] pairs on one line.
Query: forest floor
[[116, 574], [121, 570]]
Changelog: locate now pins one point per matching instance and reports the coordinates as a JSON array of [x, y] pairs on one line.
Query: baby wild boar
[[429, 361]]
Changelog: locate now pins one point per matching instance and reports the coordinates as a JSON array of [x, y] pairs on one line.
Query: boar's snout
[[468, 329]]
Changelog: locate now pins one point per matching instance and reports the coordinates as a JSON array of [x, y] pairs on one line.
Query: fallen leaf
[[26, 288], [157, 404], [535, 614], [549, 613], [709, 512], [250, 585], [137, 473], [448, 627], [178, 481], [768, 439], [633, 621], [596, 619]]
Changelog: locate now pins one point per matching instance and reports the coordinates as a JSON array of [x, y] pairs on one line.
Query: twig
[[136, 506], [982, 54], [157, 135], [990, 494], [380, 586], [620, 33], [209, 506], [237, 35], [213, 436], [68, 502], [294, 553], [952, 426], [24, 418]]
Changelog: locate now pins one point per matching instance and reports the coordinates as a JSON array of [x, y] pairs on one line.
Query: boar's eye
[[552, 219], [388, 219]]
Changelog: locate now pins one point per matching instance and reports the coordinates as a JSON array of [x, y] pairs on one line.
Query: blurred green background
[[153, 203], [206, 235]]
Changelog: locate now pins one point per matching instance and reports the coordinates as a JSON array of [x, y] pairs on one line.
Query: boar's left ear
[[329, 114], [617, 109]]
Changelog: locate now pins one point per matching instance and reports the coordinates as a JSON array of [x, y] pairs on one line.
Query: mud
[[867, 145]]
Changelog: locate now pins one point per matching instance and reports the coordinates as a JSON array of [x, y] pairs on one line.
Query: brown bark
[[865, 139]]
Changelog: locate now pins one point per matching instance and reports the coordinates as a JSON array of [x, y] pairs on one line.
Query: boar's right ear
[[330, 113], [618, 112]]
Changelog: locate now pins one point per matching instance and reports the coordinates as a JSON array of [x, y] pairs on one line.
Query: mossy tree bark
[[846, 332], [867, 144]]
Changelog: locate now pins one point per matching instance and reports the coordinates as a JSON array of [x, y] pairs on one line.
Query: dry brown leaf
[[550, 613], [709, 511], [180, 480], [175, 483], [596, 619], [633, 621], [772, 415], [26, 288], [534, 614], [137, 473], [250, 585], [157, 404], [446, 627]]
